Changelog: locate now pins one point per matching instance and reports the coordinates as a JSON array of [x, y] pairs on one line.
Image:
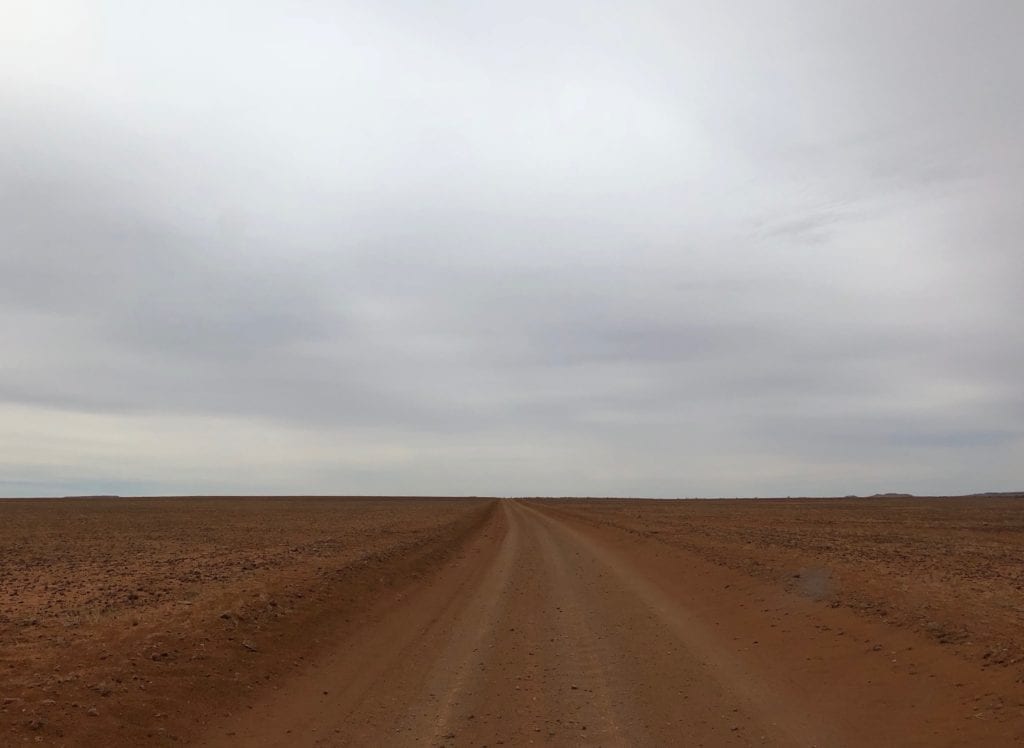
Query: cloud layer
[[658, 248]]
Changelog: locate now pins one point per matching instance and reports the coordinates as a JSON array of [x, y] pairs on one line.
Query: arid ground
[[320, 621]]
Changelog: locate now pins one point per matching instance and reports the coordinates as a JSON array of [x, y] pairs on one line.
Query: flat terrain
[[459, 622], [131, 621]]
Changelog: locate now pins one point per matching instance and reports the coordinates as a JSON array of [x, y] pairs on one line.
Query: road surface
[[547, 631]]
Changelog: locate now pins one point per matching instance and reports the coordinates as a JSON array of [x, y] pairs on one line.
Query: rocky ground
[[951, 568], [311, 621], [126, 621]]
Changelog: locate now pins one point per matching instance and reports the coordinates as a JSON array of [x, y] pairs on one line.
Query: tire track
[[543, 632]]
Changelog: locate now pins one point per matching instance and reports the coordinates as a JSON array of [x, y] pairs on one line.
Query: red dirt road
[[335, 622], [549, 629]]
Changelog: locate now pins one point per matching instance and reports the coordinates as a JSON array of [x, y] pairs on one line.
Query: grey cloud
[[663, 249]]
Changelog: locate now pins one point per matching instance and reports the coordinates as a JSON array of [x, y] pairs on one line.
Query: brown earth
[[125, 622], [889, 621]]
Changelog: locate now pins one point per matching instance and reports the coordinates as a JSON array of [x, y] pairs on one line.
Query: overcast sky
[[605, 248]]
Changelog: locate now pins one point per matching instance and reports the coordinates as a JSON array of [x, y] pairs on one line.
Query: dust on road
[[327, 622]]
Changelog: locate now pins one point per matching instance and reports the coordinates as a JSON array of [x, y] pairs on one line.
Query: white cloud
[[654, 248]]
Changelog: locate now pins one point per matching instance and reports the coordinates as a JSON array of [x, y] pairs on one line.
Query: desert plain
[[291, 621]]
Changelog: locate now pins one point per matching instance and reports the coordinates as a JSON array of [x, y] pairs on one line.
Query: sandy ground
[[565, 623], [126, 622]]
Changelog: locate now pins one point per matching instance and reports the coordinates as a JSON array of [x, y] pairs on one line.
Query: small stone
[[92, 712]]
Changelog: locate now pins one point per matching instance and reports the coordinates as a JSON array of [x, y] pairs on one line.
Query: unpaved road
[[545, 629]]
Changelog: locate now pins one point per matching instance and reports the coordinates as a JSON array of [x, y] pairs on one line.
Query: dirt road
[[550, 630]]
